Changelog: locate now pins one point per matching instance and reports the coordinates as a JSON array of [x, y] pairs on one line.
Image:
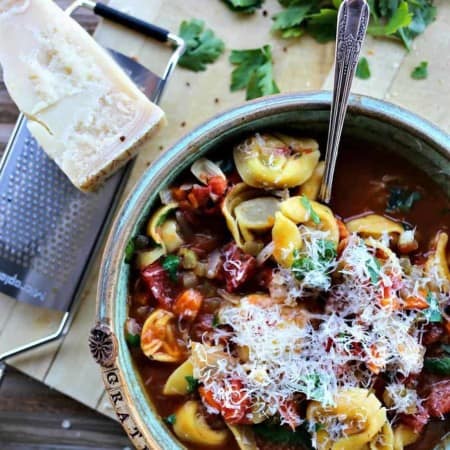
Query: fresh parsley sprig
[[202, 45], [244, 6], [253, 72]]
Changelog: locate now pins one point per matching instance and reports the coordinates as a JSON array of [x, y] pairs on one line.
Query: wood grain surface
[[191, 98]]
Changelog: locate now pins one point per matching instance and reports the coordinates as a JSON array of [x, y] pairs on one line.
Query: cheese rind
[[82, 108]]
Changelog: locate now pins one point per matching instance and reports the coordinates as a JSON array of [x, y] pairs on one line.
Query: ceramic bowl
[[368, 119]]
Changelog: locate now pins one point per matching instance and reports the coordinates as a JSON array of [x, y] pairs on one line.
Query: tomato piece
[[237, 267], [157, 281], [437, 402], [416, 421], [199, 196], [188, 304], [218, 185], [237, 414]]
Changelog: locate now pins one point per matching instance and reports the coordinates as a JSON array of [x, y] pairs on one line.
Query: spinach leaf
[[170, 265], [307, 205], [438, 365], [129, 251], [363, 69], [401, 199], [192, 384], [282, 435]]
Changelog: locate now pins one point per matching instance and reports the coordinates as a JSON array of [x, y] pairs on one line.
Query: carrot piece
[[188, 304]]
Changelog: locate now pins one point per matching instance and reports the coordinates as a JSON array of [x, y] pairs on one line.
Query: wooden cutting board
[[191, 98]]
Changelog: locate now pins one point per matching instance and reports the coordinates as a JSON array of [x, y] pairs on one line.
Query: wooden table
[[31, 416]]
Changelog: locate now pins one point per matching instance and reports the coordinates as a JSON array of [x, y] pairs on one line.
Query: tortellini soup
[[261, 318]]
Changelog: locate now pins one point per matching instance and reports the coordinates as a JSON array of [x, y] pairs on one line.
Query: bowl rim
[[112, 267]]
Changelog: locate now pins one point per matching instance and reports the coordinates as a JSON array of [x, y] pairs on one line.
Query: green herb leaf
[[363, 69], [433, 313], [192, 384], [438, 365], [312, 214], [401, 199], [134, 340], [289, 20], [202, 45], [129, 251], [170, 265], [303, 264], [282, 435], [322, 25], [171, 419], [399, 19], [216, 321], [244, 6], [253, 72], [446, 348], [373, 267], [421, 71]]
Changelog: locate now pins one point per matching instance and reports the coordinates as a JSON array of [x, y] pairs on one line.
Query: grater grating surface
[[49, 229]]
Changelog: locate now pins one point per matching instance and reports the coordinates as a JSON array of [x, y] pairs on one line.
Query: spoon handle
[[353, 17]]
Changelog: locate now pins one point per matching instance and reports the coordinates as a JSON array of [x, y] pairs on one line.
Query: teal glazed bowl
[[367, 119]]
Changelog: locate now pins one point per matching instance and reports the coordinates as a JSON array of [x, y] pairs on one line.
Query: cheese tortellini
[[190, 426], [358, 415], [437, 264], [373, 225], [248, 211], [276, 161]]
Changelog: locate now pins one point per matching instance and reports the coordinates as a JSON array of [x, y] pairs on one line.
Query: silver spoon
[[353, 17]]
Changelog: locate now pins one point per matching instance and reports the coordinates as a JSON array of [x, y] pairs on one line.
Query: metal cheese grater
[[49, 230]]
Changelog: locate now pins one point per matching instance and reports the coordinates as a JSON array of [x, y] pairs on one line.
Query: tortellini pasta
[[276, 161], [384, 439], [286, 239], [359, 414], [164, 231], [159, 340], [437, 264], [311, 187], [177, 383], [190, 426], [404, 436], [248, 210], [373, 225], [295, 209]]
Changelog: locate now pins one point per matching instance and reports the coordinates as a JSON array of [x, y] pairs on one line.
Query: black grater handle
[[131, 22]]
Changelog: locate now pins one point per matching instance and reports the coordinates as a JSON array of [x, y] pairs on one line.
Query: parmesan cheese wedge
[[81, 107]]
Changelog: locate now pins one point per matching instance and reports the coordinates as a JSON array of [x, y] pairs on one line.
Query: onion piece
[[204, 169], [189, 279], [214, 260], [231, 298], [265, 253], [166, 197]]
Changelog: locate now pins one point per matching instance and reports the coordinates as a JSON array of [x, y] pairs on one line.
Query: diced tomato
[[237, 267], [289, 413], [236, 414], [199, 196], [204, 324], [179, 194], [437, 402], [157, 281], [218, 185], [343, 232], [416, 421], [188, 304]]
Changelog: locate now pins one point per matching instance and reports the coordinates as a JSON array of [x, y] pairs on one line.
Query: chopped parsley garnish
[[393, 20], [129, 251], [401, 199], [433, 313], [244, 6], [373, 267], [421, 71], [192, 384], [322, 25], [282, 435], [438, 365], [363, 69], [312, 214], [202, 45], [254, 72], [170, 265], [171, 419], [303, 263]]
